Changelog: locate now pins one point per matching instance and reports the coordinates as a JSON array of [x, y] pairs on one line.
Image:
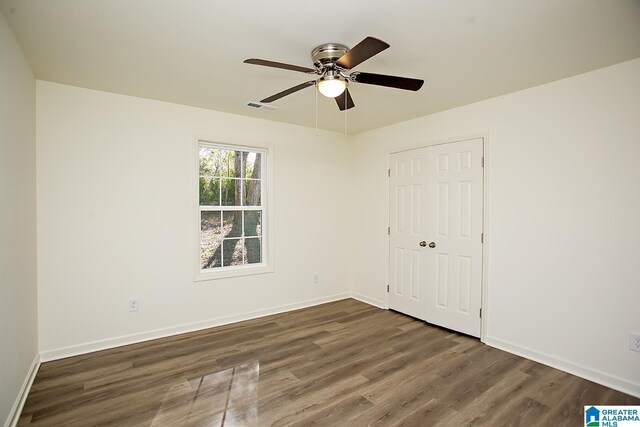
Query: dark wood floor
[[339, 364]]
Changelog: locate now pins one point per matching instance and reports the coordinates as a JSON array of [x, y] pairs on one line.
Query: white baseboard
[[367, 300], [16, 410], [607, 380], [61, 353]]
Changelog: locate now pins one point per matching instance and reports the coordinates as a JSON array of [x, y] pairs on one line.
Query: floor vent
[[261, 106]]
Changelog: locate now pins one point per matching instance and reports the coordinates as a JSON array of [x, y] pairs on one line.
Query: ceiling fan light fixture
[[331, 86]]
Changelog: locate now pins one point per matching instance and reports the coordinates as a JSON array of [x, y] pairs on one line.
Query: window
[[231, 185]]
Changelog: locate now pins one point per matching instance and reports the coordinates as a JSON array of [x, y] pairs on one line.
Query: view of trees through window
[[231, 209]]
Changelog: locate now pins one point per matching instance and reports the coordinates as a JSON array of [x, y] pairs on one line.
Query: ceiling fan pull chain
[[315, 86], [346, 97]]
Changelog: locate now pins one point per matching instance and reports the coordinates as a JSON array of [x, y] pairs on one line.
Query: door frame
[[484, 300]]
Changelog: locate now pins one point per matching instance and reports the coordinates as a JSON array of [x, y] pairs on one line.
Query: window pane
[[232, 224], [230, 178], [253, 251], [232, 252], [210, 161], [210, 235], [209, 191], [252, 196], [252, 164], [230, 163], [231, 189], [252, 223]]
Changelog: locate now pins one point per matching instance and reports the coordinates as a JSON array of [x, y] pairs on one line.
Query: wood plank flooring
[[339, 364]]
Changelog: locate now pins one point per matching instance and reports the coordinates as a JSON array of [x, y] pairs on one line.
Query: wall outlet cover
[[134, 304]]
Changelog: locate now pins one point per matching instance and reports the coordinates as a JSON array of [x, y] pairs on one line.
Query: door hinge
[[481, 237], [481, 313], [389, 173], [387, 288], [388, 231], [482, 161]]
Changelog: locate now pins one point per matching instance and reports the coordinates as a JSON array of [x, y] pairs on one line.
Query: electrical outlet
[[634, 341], [316, 278], [134, 304]]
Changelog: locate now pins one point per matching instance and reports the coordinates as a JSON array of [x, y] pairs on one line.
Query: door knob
[[432, 244], [423, 243]]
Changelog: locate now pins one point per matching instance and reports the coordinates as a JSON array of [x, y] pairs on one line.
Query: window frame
[[266, 264]]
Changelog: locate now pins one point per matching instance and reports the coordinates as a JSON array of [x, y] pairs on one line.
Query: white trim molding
[[108, 343], [620, 384], [16, 410], [368, 300], [486, 234]]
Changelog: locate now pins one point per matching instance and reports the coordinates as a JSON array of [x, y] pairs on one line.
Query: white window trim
[[267, 264]]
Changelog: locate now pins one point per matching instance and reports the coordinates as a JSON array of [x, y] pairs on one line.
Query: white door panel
[[454, 266], [436, 197], [407, 226]]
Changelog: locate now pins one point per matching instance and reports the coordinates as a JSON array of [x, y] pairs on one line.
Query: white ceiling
[[191, 51]]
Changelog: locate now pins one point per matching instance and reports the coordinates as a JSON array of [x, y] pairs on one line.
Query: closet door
[[407, 228], [454, 249], [435, 234]]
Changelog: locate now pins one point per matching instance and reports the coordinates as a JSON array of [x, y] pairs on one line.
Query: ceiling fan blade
[[288, 91], [361, 52], [388, 81], [282, 65], [344, 100]]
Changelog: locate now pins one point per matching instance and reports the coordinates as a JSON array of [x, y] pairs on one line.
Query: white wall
[[564, 217], [18, 301], [116, 218]]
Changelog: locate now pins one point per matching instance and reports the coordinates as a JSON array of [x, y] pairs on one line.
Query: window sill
[[203, 276]]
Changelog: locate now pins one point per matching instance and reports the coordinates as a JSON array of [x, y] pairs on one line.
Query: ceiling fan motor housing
[[327, 54]]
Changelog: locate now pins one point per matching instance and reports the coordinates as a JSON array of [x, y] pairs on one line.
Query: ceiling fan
[[333, 63]]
